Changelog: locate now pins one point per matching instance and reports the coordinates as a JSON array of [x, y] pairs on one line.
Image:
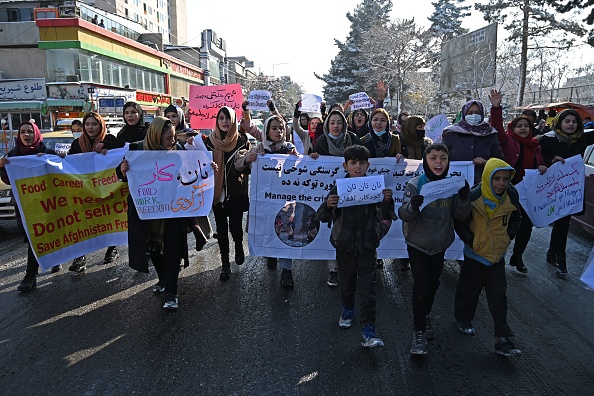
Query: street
[[103, 332]]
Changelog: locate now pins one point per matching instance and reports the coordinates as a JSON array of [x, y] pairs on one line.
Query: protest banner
[[257, 100], [435, 126], [173, 183], [70, 206], [360, 101], [287, 189], [441, 189], [556, 194], [205, 102], [310, 103], [354, 191]]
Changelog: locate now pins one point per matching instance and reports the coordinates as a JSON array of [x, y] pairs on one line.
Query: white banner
[[360, 101], [258, 100], [556, 194], [70, 206], [435, 126], [354, 191], [174, 183], [310, 103], [286, 192]]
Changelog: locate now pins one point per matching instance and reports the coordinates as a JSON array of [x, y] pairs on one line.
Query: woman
[[165, 238], [94, 138], [231, 186], [358, 122], [135, 128], [29, 142], [305, 132], [566, 139], [380, 141], [521, 151], [412, 138], [472, 139]]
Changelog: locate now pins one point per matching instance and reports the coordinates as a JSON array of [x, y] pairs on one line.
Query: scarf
[[378, 146], [37, 139], [481, 129], [337, 146], [87, 144], [411, 140], [223, 143], [562, 136], [528, 146], [490, 199]]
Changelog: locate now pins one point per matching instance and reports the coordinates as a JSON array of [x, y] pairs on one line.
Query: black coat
[[110, 142]]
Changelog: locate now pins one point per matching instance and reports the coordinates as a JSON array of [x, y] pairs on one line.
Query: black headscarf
[[136, 132]]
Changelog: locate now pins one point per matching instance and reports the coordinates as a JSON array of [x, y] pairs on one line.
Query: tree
[[446, 20], [527, 20], [343, 77], [576, 5], [285, 92]]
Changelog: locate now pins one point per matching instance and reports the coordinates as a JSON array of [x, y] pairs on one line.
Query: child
[[494, 222], [428, 233], [356, 236], [273, 143]]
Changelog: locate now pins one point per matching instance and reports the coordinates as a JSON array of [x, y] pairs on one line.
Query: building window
[[126, 12]]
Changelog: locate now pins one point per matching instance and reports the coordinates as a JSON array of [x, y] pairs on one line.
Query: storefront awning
[[65, 102], [21, 105]]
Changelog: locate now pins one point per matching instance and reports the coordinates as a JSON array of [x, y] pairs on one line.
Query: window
[[126, 12], [136, 17]]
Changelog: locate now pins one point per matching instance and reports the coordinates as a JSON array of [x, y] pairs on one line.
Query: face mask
[[420, 133], [473, 119], [379, 133], [331, 136]]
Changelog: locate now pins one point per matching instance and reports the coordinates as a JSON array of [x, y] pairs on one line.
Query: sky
[[296, 40]]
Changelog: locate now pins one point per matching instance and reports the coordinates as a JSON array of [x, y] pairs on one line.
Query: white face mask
[[473, 119], [380, 133]]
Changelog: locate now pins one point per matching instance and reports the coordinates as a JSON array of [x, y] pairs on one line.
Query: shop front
[[22, 100]]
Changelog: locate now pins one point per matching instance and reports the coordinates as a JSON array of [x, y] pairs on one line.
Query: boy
[[494, 222], [356, 236]]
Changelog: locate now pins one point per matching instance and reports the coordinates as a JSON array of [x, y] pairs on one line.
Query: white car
[[7, 211]]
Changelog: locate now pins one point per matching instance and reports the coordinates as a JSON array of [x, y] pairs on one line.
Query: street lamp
[[277, 64]]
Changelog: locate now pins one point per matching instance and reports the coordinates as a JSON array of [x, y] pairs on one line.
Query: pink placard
[[205, 102]]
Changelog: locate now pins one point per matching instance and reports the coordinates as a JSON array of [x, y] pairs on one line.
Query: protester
[[231, 186], [355, 235], [565, 140], [428, 232], [522, 152], [412, 138], [472, 138], [164, 238], [334, 141], [29, 142], [358, 120], [135, 128], [94, 139], [400, 120], [274, 143], [379, 140], [495, 220], [305, 133]]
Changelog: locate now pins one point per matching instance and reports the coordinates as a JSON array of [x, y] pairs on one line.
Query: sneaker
[[79, 264], [271, 262], [379, 263], [419, 344], [560, 265], [111, 255], [171, 302], [404, 264], [346, 318], [332, 279], [465, 327], [158, 289], [429, 332], [516, 261], [29, 283], [370, 339], [505, 347], [56, 268], [287, 278]]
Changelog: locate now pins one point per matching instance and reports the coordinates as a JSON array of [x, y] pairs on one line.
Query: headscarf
[[379, 146], [336, 147], [414, 144], [133, 133], [481, 129], [492, 200], [364, 129], [180, 116], [86, 143], [306, 117], [269, 145], [223, 143], [528, 144], [311, 131], [37, 139], [152, 140], [562, 136], [428, 175]]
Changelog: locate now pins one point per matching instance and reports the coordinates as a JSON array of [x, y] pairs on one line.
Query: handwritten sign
[[165, 184], [205, 102], [441, 189], [360, 101], [73, 205], [556, 194], [310, 103], [354, 191], [258, 100], [435, 126]]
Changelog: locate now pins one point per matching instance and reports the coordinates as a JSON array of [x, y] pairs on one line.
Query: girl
[[428, 233], [29, 142], [231, 186], [412, 138], [94, 138], [135, 128], [380, 141], [305, 133], [521, 151], [565, 140], [165, 238], [274, 143]]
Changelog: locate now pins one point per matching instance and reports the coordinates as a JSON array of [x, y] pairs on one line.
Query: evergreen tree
[[342, 79], [446, 20], [577, 6]]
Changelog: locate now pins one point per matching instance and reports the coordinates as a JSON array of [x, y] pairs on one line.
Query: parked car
[[59, 141], [64, 124], [586, 220], [7, 211], [114, 125]]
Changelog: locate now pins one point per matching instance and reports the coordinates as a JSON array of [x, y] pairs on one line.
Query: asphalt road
[[104, 332]]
